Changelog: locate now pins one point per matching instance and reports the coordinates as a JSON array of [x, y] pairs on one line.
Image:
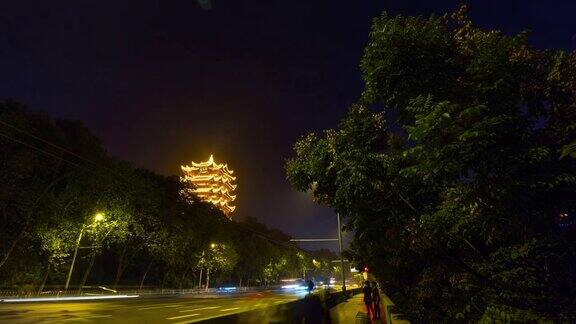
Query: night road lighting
[[98, 217], [46, 299]]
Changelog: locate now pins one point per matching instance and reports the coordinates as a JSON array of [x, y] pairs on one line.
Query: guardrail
[[391, 316]]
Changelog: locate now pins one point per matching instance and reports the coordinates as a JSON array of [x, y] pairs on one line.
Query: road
[[141, 310]]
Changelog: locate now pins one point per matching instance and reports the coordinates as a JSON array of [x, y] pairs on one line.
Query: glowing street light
[[203, 257], [99, 217], [212, 246]]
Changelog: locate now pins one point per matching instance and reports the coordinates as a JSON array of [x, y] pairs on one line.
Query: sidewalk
[[350, 311], [354, 311]]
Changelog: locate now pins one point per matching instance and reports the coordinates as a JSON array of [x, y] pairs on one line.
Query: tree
[[56, 243], [28, 179], [56, 178], [467, 210]]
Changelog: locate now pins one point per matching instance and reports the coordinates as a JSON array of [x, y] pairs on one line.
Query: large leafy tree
[[465, 207], [34, 175], [56, 178]]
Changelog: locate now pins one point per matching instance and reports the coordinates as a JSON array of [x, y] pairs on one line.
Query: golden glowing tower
[[211, 182]]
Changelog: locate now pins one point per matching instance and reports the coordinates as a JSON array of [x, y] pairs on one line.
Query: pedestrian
[[310, 286], [368, 297], [376, 300]]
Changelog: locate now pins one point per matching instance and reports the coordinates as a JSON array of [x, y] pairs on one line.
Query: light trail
[[48, 299], [181, 316], [229, 309], [83, 318], [197, 309], [160, 306]]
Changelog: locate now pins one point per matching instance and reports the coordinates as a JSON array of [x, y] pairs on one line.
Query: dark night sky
[[166, 82]]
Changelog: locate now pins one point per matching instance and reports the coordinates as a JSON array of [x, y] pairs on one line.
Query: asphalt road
[[142, 310]]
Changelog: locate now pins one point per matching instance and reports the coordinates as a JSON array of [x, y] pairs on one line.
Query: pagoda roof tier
[[210, 195], [210, 182], [197, 171], [229, 209], [209, 177], [222, 168], [218, 201], [215, 190], [214, 184], [210, 164]]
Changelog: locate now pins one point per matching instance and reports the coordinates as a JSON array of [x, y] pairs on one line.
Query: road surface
[[142, 310]]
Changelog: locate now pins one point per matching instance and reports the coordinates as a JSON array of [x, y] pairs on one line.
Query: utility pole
[[339, 239], [341, 256], [99, 217], [74, 259]]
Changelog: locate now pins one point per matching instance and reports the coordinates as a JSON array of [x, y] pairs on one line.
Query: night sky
[[166, 82]]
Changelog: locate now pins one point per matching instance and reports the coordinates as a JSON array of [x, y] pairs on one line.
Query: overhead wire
[[278, 242], [65, 150], [239, 225], [47, 142], [39, 150]]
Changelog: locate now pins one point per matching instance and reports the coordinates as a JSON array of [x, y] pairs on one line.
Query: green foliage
[[470, 206], [219, 257], [56, 177], [57, 244]]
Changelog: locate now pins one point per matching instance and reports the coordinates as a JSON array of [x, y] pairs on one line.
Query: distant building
[[211, 182]]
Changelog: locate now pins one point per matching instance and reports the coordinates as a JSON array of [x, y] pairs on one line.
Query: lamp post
[[201, 268], [212, 246], [97, 218], [341, 256]]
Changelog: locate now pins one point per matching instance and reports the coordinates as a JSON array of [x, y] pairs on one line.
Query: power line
[[282, 243], [47, 142], [30, 146], [118, 175], [82, 167], [39, 150], [61, 148], [241, 226], [263, 235]]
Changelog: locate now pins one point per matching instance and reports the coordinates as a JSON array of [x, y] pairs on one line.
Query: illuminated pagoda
[[210, 182]]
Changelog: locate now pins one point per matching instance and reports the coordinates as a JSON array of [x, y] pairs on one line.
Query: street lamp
[[340, 252], [99, 217], [212, 246]]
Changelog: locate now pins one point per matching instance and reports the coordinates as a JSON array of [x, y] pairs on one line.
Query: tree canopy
[[456, 170], [58, 185]]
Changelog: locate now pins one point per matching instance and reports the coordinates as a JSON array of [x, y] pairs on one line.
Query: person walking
[[368, 298], [310, 286], [376, 300]]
